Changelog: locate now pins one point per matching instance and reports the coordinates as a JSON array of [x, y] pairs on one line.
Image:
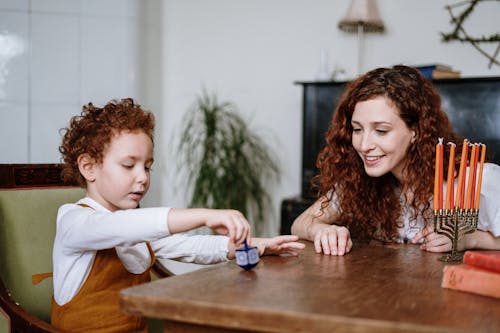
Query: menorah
[[458, 218], [454, 224]]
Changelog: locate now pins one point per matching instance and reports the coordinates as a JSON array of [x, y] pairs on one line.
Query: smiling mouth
[[370, 160]]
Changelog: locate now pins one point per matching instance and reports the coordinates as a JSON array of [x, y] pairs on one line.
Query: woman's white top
[[489, 205], [81, 232]]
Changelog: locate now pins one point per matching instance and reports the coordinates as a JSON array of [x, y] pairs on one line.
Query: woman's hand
[[315, 224], [432, 241], [333, 240], [286, 244]]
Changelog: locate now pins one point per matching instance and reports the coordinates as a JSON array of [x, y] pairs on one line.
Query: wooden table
[[375, 288]]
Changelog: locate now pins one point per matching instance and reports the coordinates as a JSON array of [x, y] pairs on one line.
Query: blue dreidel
[[247, 257]]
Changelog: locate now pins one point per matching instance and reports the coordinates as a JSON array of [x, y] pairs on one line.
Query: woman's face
[[380, 137]]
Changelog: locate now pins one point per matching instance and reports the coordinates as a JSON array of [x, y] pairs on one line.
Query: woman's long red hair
[[371, 206]]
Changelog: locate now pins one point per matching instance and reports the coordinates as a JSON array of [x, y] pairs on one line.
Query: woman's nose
[[366, 142]]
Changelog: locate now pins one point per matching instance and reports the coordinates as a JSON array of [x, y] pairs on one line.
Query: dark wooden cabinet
[[318, 104], [290, 209], [473, 105]]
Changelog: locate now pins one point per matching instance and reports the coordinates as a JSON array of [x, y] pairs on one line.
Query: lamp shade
[[362, 13]]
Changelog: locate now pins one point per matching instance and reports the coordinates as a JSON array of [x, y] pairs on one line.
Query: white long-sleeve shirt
[[81, 232]]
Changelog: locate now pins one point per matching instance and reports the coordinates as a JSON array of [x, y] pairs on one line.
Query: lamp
[[362, 16]]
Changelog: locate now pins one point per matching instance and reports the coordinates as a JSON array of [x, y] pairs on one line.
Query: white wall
[[252, 52], [56, 55]]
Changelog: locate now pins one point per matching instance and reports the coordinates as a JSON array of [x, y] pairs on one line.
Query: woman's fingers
[[422, 234], [436, 243], [334, 240]]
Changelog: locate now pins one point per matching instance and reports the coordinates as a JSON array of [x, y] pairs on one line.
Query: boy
[[105, 243]]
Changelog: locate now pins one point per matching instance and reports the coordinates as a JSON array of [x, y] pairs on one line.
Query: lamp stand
[[361, 36]]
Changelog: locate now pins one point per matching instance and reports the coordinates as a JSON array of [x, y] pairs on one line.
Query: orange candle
[[441, 171], [450, 180], [480, 177], [459, 202], [474, 176], [438, 188], [470, 180], [436, 179]]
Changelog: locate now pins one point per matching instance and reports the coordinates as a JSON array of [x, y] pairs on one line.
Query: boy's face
[[122, 179]]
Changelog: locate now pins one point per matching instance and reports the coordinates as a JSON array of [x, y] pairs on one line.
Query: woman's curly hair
[[91, 132], [371, 206]]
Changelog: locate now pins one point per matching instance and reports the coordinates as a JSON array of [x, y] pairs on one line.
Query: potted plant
[[227, 164]]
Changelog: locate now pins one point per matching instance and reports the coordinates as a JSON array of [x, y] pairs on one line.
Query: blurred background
[[56, 55]]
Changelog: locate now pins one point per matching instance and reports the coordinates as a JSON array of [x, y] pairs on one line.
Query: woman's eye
[[356, 130], [381, 132], [127, 166]]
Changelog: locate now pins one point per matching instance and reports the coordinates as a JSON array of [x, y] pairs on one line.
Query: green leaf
[[228, 165]]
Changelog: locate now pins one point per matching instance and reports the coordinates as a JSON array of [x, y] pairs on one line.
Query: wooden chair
[[30, 195]]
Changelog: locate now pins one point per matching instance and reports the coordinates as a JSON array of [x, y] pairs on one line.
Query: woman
[[376, 172]]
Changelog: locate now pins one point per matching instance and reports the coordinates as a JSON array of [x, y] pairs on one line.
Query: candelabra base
[[451, 258], [454, 224]]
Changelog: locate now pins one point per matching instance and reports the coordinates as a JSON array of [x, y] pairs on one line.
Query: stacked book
[[438, 71], [479, 274]]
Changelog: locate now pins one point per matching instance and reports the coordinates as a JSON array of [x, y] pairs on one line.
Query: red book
[[483, 259], [471, 279]]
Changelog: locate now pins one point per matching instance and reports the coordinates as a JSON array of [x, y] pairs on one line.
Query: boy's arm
[[225, 221], [285, 244], [271, 246]]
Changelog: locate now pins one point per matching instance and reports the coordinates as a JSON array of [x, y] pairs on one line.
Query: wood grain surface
[[375, 288]]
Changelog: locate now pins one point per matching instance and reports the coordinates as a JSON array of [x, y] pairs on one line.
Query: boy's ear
[[86, 165]]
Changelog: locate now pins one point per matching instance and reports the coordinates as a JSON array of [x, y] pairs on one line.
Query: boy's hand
[[229, 222], [278, 245]]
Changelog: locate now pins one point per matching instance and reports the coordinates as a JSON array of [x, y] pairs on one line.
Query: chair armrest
[[160, 271], [20, 319]]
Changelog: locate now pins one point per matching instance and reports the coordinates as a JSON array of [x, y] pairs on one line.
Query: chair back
[[30, 195], [29, 200]]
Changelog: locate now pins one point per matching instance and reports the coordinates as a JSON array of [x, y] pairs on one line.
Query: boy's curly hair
[[91, 132]]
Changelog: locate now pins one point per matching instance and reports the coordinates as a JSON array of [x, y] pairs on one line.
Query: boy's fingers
[[293, 245], [287, 238]]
